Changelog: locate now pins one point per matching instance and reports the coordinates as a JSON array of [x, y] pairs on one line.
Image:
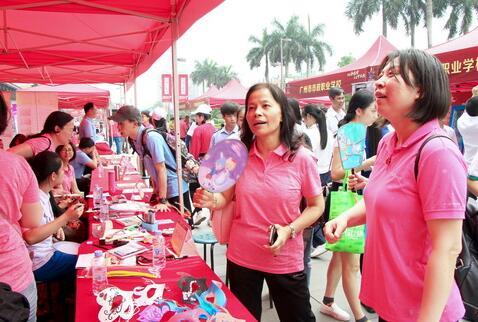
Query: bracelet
[[214, 203], [293, 233]]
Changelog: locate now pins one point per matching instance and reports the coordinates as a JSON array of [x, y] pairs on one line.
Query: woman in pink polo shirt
[[19, 208], [57, 130], [413, 222], [279, 172], [67, 153]]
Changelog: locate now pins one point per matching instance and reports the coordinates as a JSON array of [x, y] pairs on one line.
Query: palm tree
[[292, 48], [429, 21], [361, 10], [204, 73], [312, 48], [411, 14], [223, 75], [460, 9], [261, 51]]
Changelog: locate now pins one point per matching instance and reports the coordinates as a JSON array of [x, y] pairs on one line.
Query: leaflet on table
[[135, 220], [105, 194], [128, 250], [84, 261]]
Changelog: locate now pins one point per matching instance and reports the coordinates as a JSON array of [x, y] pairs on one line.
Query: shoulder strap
[[417, 158], [145, 147]]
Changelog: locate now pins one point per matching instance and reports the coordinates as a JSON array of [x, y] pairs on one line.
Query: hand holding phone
[[272, 234]]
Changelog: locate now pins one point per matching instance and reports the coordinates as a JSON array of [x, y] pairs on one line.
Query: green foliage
[[463, 10], [345, 60], [299, 46], [208, 73]]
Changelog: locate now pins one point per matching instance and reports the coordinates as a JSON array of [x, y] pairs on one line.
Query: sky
[[222, 35]]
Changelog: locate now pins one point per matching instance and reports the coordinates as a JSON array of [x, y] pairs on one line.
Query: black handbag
[[466, 273]]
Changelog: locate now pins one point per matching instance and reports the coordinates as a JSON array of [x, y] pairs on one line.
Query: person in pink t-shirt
[[19, 208], [201, 139], [413, 217], [67, 153], [57, 130], [279, 172]]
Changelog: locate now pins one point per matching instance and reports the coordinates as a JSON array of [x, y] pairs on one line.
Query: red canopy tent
[[98, 41], [95, 41], [460, 60], [360, 71], [233, 91], [322, 100], [211, 91], [74, 96]]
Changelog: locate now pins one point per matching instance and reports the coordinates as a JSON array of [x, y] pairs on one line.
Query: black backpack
[[466, 272], [14, 307], [188, 163]]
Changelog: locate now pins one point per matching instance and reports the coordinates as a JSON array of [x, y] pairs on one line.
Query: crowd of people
[[293, 164]]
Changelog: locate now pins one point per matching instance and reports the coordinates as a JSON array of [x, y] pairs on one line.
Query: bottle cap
[[98, 253]]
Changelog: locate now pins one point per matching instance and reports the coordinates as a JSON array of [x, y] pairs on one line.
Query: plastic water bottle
[[159, 254], [97, 196], [99, 272], [104, 210], [101, 170]]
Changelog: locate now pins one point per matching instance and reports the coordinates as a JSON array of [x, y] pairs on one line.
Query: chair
[[206, 237]]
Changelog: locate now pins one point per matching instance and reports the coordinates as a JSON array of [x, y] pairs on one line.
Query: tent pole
[[135, 92], [174, 37]]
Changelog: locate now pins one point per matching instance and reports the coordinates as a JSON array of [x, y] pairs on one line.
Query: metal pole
[[135, 92], [174, 37]]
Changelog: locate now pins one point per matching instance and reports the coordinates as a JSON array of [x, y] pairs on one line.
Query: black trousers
[[289, 292]]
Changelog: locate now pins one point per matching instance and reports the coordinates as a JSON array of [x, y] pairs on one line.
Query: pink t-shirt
[[68, 178], [20, 187], [270, 192], [41, 144], [398, 242], [201, 140]]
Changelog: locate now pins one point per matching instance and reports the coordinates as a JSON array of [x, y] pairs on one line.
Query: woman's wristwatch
[[293, 233]]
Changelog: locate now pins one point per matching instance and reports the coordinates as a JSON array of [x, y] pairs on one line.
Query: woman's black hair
[[161, 124], [17, 139], [360, 99], [56, 118], [374, 135], [148, 115], [86, 143], [60, 147], [206, 117], [44, 164], [4, 114], [429, 77], [319, 116], [294, 105], [287, 135]]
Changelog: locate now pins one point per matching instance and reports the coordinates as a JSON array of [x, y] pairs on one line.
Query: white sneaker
[[334, 311], [319, 250]]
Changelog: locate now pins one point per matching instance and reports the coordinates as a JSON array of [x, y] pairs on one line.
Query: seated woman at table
[[82, 160], [49, 264], [279, 172], [67, 153], [57, 130]]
